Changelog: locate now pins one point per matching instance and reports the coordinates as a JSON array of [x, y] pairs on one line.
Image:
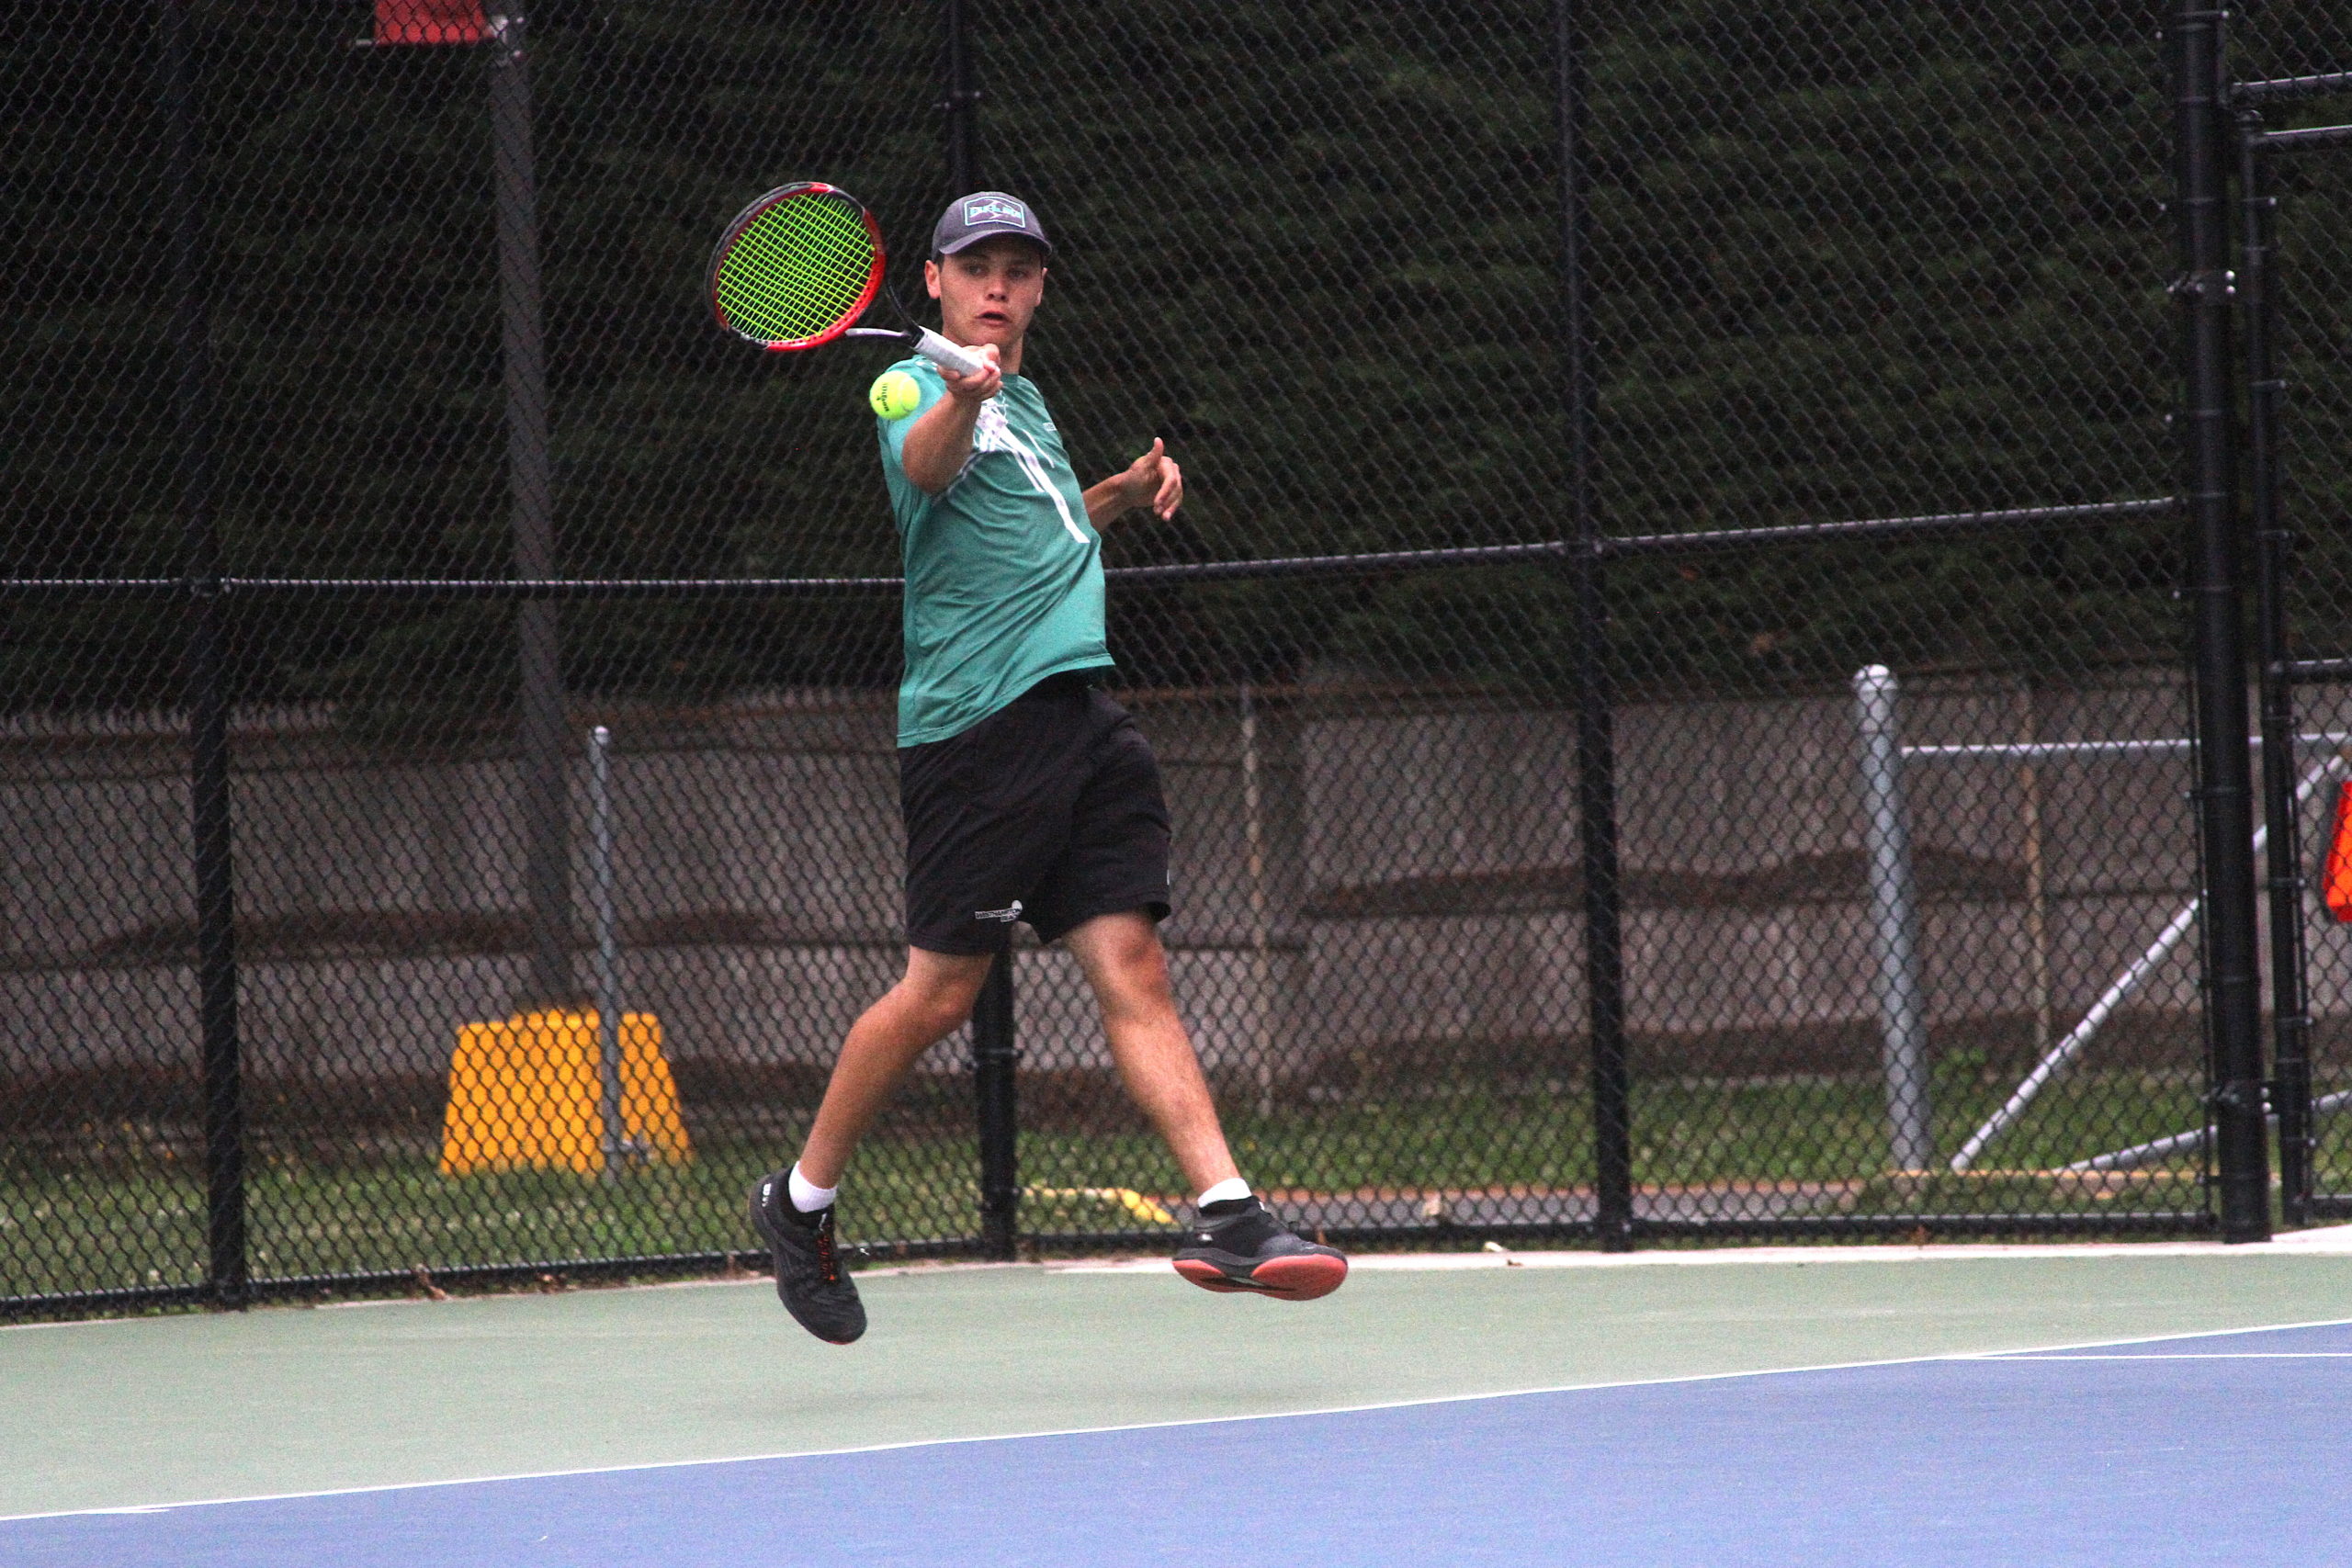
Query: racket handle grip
[[947, 356]]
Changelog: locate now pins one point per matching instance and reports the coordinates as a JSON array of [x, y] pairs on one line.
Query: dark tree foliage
[[1848, 262]]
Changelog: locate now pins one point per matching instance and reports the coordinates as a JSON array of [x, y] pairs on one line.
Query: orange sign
[[2336, 879]]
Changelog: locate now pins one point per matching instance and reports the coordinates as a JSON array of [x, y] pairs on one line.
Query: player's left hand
[[1154, 480]]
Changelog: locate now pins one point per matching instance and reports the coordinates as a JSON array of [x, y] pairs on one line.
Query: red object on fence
[[2336, 879], [429, 21]]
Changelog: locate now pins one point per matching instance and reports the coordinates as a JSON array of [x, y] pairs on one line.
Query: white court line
[[2176, 1337], [2331, 1241], [2184, 1356], [1156, 1426], [75, 1322]]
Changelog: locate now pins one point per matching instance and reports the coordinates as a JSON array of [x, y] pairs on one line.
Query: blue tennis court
[[2101, 1453]]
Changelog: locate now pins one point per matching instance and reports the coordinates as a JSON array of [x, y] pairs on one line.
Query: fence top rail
[[2282, 87], [1342, 566], [2033, 750], [444, 587], [1928, 523], [2316, 136], [1197, 572]]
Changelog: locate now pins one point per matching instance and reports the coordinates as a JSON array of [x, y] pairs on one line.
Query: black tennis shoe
[[809, 1279], [1240, 1246]]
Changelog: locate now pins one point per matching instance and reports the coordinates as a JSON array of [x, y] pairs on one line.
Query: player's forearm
[[940, 443], [1106, 502]]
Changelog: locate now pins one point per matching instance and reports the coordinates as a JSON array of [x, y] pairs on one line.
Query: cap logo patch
[[996, 210]]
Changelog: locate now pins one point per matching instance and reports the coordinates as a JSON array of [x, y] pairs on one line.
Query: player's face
[[989, 293]]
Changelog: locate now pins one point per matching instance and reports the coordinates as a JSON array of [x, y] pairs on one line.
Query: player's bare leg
[[927, 1005], [1126, 966], [792, 1210], [1237, 1244]]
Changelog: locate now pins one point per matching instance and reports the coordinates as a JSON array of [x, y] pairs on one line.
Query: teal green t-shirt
[[1004, 574]]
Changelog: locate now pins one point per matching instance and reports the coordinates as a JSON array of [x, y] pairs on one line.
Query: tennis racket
[[797, 267]]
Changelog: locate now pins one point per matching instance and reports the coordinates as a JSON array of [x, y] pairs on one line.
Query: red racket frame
[[750, 214]]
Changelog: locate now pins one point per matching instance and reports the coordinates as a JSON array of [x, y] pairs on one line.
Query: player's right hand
[[981, 384]]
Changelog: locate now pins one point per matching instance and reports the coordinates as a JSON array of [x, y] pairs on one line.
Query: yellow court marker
[[526, 1094], [1127, 1198]]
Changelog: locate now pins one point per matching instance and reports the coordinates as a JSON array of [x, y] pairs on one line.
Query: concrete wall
[[759, 877]]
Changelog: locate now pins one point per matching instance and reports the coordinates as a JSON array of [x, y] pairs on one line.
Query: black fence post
[[1596, 760], [2225, 781], [961, 105], [994, 1062], [216, 960], [545, 744], [211, 846], [2291, 1024], [996, 1049]]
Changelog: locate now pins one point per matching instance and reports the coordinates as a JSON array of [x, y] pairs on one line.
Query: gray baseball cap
[[983, 215]]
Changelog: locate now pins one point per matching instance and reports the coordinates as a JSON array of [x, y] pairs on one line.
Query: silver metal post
[[1894, 919], [2037, 881], [1260, 939], [2140, 1156], [600, 913], [2062, 1056]]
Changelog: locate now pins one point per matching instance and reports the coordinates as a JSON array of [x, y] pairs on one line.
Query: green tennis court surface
[[141, 1413]]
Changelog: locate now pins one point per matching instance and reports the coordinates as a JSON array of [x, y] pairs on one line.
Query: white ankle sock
[[1225, 1192], [807, 1196]]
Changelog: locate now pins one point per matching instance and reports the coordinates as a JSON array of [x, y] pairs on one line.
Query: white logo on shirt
[[994, 432], [1007, 916]]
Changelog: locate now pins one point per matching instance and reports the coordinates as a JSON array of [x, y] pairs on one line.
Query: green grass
[[137, 1220]]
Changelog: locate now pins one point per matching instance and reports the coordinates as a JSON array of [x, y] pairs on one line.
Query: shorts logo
[[1006, 916], [996, 208]]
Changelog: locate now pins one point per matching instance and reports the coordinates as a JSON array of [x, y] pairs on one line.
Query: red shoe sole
[[1209, 1277], [1285, 1279]]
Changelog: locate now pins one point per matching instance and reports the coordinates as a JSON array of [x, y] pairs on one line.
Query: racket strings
[[796, 270]]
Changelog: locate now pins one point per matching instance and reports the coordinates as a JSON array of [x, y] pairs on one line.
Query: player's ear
[[930, 278]]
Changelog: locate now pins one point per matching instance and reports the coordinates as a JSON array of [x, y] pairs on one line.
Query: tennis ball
[[894, 394]]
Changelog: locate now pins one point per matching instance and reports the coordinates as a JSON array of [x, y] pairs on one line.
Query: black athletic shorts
[[1048, 811]]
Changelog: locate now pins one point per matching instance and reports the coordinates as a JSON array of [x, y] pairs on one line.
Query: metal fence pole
[[547, 829], [2291, 1024], [1262, 967], [2224, 779], [1894, 919], [995, 1060], [212, 845], [2037, 874], [962, 103], [613, 1144], [996, 1050], [1604, 950]]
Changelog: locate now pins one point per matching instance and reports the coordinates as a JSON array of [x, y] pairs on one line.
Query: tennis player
[[1028, 794]]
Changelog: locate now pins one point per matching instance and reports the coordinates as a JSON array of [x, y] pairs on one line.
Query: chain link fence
[[1730, 777], [2292, 71]]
